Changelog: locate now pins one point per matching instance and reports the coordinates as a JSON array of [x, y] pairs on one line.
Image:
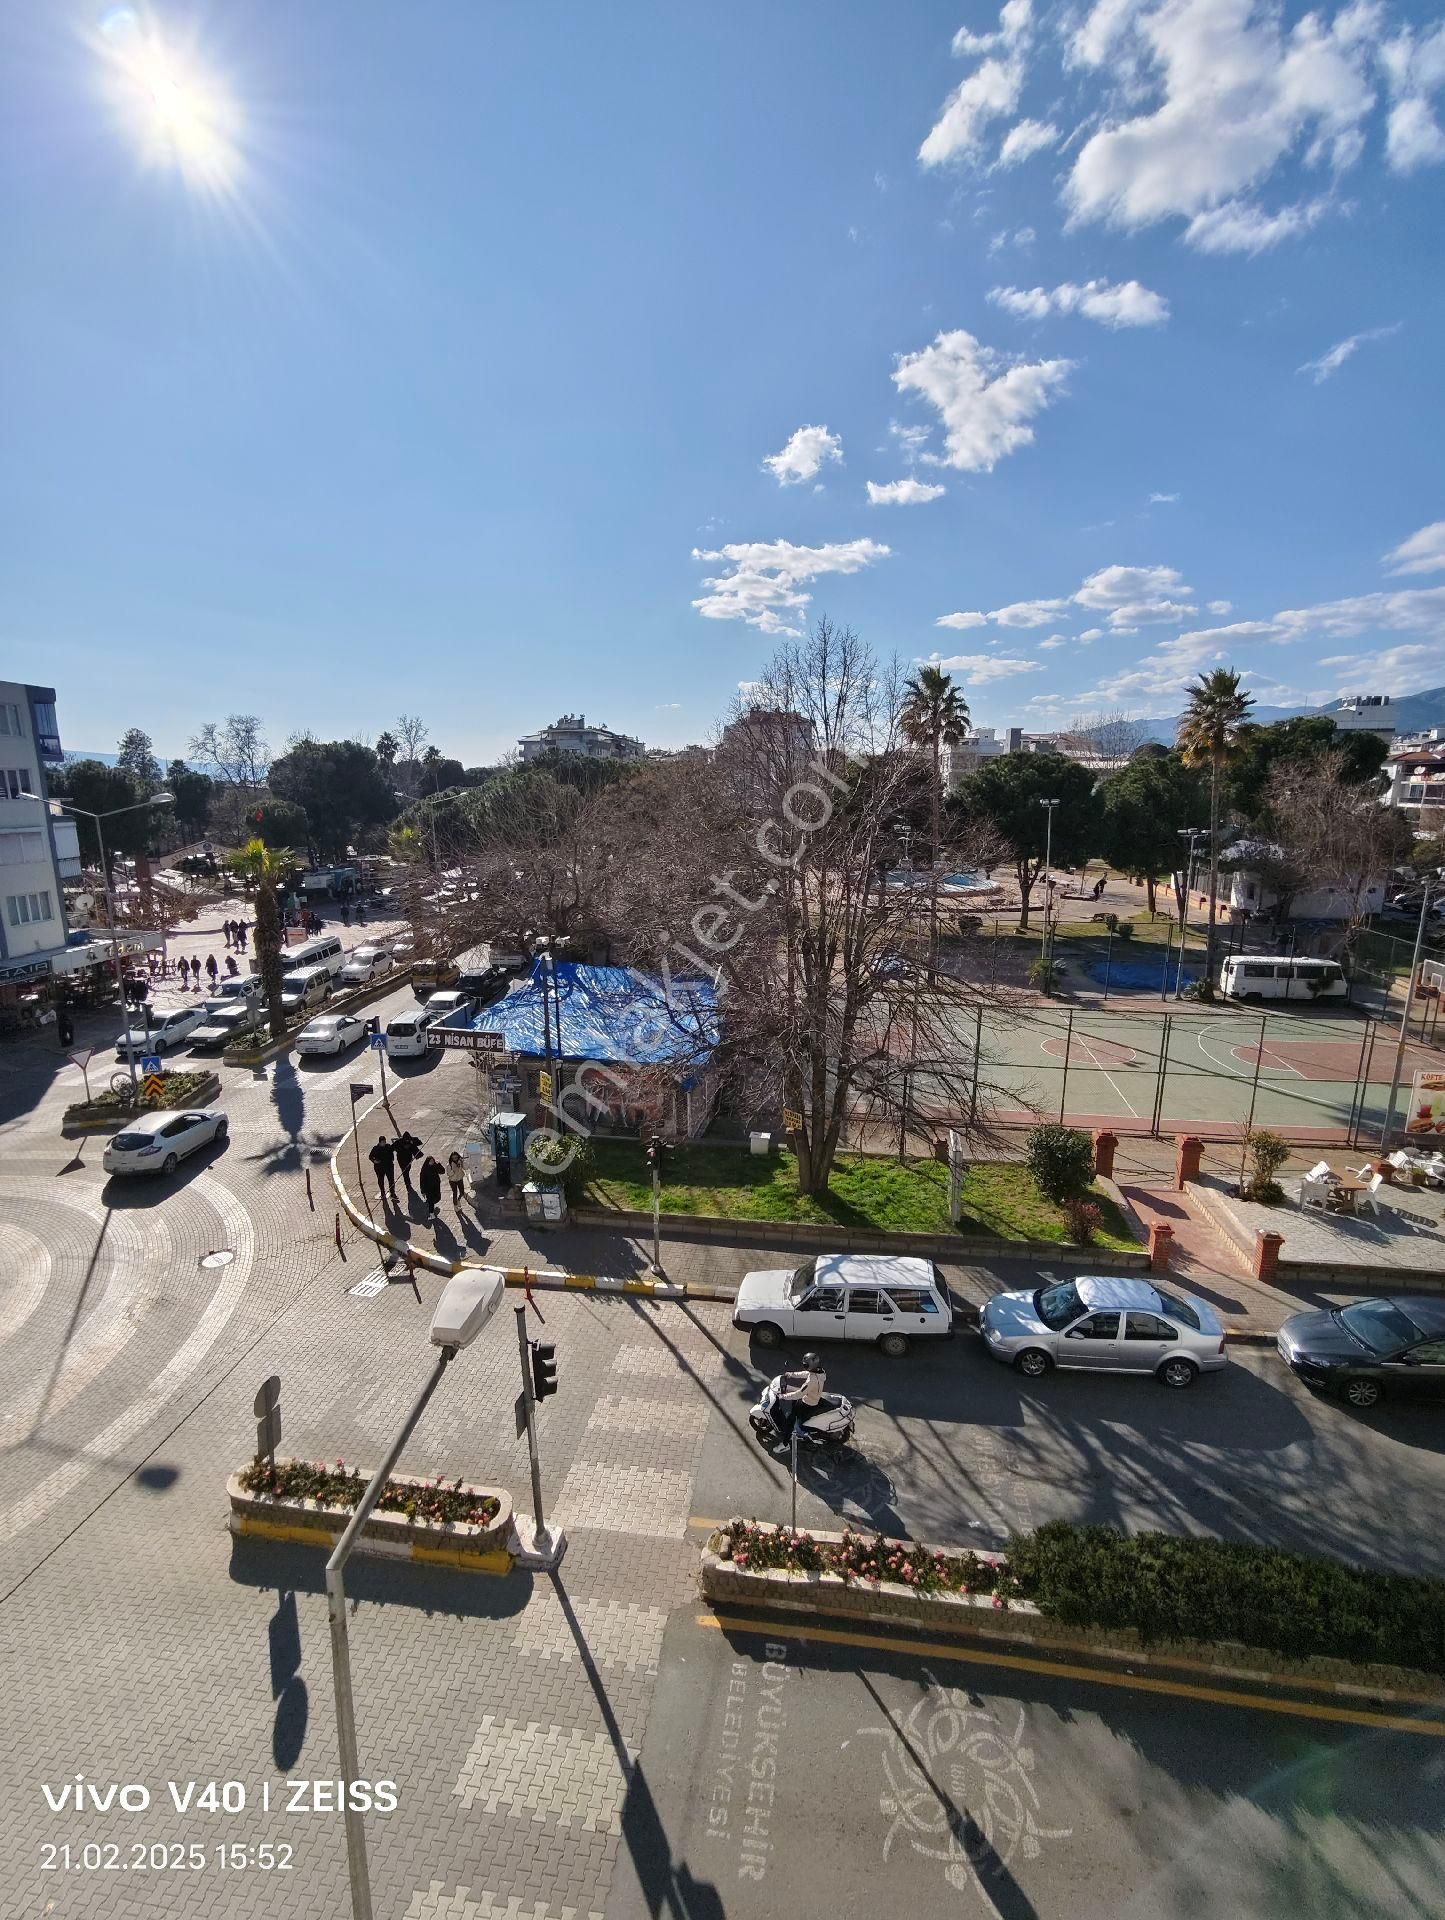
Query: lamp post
[[359, 1089], [1047, 951], [1191, 834], [1405, 1019], [65, 806], [468, 1302]]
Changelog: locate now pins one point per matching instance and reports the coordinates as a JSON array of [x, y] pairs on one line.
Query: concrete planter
[[472, 1549], [826, 1596], [83, 1120]]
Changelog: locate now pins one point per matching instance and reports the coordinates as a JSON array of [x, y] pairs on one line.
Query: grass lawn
[[728, 1182]]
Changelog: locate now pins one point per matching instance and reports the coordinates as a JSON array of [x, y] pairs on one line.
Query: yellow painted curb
[[497, 1562], [278, 1530]]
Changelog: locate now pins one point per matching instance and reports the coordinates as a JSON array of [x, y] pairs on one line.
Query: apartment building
[[32, 860], [572, 734]]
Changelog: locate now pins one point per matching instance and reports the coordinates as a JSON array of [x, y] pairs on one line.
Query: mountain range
[[1408, 713]]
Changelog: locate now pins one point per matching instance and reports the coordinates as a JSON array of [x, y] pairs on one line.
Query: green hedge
[[1198, 1589]]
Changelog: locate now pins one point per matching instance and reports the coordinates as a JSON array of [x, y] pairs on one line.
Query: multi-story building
[[1414, 781], [1365, 713], [968, 755], [36, 851], [571, 734]]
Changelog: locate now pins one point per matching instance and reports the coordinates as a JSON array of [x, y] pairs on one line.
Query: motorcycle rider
[[798, 1395]]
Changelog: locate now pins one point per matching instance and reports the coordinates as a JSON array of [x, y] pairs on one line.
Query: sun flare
[[176, 112]]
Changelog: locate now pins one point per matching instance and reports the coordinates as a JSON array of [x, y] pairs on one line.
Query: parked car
[[887, 1299], [167, 1028], [158, 1142], [307, 988], [451, 1001], [226, 1024], [330, 1033], [363, 965], [1105, 1325], [406, 1034], [1369, 1348], [240, 986]]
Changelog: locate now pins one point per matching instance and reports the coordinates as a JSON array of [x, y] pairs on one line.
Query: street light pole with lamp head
[[1190, 834], [468, 1302], [1047, 949], [65, 806]]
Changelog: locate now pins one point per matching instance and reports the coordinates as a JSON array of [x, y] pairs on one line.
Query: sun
[[175, 112]]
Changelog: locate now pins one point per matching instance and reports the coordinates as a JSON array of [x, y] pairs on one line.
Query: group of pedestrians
[[236, 933], [190, 971], [403, 1152]]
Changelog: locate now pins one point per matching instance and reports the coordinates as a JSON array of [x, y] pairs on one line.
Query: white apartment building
[[1365, 713], [32, 911], [571, 734]]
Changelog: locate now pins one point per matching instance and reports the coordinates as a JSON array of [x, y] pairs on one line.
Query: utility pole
[[1047, 950], [1405, 1019], [1190, 834], [539, 1382]]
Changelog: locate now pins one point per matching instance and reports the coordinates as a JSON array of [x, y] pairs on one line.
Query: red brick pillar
[[1161, 1239], [1187, 1154], [1266, 1255], [1105, 1145]]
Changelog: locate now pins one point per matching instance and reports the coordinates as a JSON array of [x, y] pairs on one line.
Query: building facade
[[1415, 781], [572, 734], [32, 865]]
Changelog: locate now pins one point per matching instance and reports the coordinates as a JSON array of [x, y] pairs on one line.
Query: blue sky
[[366, 359]]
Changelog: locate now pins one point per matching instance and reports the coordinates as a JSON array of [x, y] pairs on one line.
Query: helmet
[[812, 1363]]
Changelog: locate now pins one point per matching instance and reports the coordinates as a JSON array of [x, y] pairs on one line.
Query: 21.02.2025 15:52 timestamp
[[166, 1856]]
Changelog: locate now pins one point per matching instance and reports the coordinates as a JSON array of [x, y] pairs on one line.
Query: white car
[[363, 965], [890, 1300], [168, 1027], [158, 1142], [449, 1000], [406, 1033], [330, 1033]]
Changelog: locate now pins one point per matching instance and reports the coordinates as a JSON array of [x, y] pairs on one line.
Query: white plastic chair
[[1314, 1188], [1366, 1202]]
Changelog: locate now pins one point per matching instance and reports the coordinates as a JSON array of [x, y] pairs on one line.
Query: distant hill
[[1409, 713]]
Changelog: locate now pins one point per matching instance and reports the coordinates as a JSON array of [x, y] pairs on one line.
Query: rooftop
[[609, 1013]]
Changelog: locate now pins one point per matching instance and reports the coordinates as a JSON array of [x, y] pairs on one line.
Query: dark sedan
[[1369, 1348]]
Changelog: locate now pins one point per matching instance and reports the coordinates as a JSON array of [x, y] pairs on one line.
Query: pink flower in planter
[[741, 1559]]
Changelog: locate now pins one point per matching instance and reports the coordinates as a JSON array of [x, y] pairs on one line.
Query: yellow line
[[1094, 1676], [701, 1520]]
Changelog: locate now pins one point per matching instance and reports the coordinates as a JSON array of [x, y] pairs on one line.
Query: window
[[912, 1300], [20, 849], [1432, 1354], [867, 1300], [23, 908], [1147, 1326], [9, 718], [1058, 1306], [16, 780], [822, 1300], [1098, 1326], [1177, 1310], [1379, 1325]]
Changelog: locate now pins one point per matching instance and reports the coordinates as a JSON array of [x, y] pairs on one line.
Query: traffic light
[[373, 1025], [654, 1155], [544, 1369]]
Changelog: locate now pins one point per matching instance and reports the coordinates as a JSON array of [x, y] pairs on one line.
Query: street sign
[[378, 1042], [150, 1063], [153, 1086], [544, 1086], [468, 1039], [791, 1119], [81, 1057], [519, 1408], [268, 1396], [358, 1089]]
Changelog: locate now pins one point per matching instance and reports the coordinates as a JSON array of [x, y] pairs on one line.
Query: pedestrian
[[408, 1149], [345, 914], [430, 1182], [361, 913], [456, 1174], [183, 968], [231, 968], [383, 1160], [212, 970], [64, 1026], [243, 931], [1099, 887]]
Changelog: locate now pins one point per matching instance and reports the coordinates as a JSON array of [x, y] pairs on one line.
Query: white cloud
[[1238, 227], [986, 400], [991, 91], [1408, 610], [1415, 69], [1024, 140], [762, 580], [902, 493], [1136, 596], [1054, 641], [1413, 138], [668, 706], [977, 669], [1028, 613], [1234, 94], [961, 622], [1162, 499], [1220, 607], [1164, 672], [1089, 634], [1127, 305], [1389, 669], [1423, 552], [1022, 237], [1332, 360], [1013, 25], [912, 439], [804, 455]]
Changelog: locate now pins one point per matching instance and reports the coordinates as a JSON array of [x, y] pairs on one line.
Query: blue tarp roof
[[610, 1013]]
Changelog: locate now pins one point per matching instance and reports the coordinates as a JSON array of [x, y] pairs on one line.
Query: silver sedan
[[1100, 1324]]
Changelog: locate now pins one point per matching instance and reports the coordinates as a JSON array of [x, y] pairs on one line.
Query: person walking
[[183, 968], [64, 1026], [456, 1175], [243, 932], [383, 1160], [231, 968], [408, 1150], [430, 1182], [212, 970]]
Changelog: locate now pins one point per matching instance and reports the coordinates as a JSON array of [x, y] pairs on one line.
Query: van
[[303, 988], [322, 950], [1274, 977], [240, 987], [406, 1032]]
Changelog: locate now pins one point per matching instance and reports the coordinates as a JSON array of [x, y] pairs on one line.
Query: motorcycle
[[829, 1424]]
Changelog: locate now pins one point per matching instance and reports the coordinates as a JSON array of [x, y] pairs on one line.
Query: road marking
[[1133, 1110], [26, 1267], [1094, 1676]]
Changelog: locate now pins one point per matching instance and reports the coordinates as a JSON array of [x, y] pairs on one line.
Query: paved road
[[145, 1646], [783, 1775]]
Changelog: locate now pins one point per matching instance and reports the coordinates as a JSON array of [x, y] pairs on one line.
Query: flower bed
[[340, 1486], [111, 1109], [856, 1556]]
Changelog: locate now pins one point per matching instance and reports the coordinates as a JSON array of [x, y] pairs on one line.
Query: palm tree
[[934, 715], [265, 868], [1209, 737]]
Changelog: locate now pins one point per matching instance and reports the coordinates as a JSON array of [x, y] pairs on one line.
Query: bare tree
[[1105, 740], [239, 753], [411, 734], [1336, 834]]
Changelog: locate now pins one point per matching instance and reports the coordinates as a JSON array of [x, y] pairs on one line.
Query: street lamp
[[1191, 834], [468, 1302], [65, 806], [1047, 950]]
